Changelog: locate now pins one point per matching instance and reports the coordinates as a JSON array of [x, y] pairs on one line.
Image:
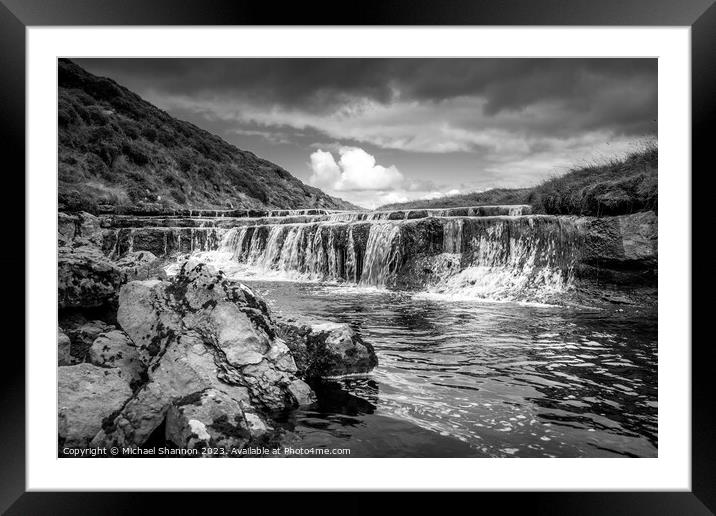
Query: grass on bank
[[614, 187]]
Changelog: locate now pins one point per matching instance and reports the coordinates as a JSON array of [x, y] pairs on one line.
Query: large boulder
[[85, 278], [86, 395], [200, 331], [325, 349], [116, 349]]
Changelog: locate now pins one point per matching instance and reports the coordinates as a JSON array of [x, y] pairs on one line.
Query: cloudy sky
[[374, 131]]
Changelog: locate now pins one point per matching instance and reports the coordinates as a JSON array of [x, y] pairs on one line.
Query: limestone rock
[[138, 265], [63, 349], [640, 234], [80, 225], [323, 349], [207, 418], [116, 349], [82, 336], [302, 392], [619, 250], [66, 227], [620, 240], [85, 278], [200, 331], [86, 395], [89, 227]]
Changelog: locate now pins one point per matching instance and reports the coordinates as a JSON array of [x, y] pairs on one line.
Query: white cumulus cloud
[[356, 177], [355, 170]]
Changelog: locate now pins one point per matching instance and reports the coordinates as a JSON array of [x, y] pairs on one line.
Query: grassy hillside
[[117, 149], [616, 187], [489, 197]]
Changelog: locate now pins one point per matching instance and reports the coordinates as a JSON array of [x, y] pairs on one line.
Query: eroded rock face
[[323, 349], [201, 331], [619, 240], [621, 249], [82, 226], [116, 349], [87, 394]]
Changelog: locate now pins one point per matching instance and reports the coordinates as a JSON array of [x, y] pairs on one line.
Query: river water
[[477, 378]]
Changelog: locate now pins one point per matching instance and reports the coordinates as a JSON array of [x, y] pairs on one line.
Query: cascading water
[[381, 254], [310, 251], [317, 251], [505, 257], [452, 236], [351, 259], [518, 259]]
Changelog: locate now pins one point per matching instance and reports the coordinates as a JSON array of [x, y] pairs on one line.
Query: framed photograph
[[420, 252]]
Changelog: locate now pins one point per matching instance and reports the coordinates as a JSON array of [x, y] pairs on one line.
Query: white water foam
[[494, 260]]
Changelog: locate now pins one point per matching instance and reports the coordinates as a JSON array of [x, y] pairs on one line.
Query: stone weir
[[201, 230], [455, 250]]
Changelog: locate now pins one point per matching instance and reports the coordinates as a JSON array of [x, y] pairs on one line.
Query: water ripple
[[507, 379]]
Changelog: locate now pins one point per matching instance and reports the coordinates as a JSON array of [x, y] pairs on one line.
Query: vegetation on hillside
[[116, 149], [486, 198], [616, 187]]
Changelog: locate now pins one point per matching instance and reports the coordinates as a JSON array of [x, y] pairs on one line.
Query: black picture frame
[[17, 15]]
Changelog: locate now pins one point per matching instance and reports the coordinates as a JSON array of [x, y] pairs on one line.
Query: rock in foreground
[[210, 418], [86, 279], [198, 353], [86, 395], [116, 349], [323, 349], [202, 333]]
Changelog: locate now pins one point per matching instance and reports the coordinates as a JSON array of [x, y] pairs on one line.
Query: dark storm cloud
[[591, 94]]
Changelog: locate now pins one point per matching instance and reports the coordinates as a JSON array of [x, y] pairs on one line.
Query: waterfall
[[521, 259], [233, 242], [381, 253], [452, 236], [351, 258], [274, 245], [317, 251], [291, 255], [311, 251], [490, 252]]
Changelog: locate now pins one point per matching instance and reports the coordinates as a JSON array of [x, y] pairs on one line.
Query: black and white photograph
[[357, 257]]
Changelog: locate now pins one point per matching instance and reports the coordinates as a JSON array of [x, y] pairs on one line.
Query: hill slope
[[617, 187], [117, 149]]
